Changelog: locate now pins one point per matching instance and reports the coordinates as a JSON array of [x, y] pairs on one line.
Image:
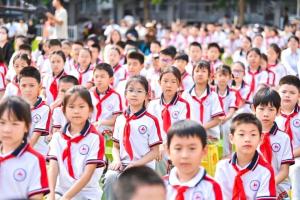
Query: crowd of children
[[62, 106]]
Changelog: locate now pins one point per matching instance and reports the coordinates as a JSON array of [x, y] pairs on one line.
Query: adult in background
[[6, 49]]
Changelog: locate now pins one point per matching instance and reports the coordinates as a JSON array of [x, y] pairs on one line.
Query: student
[[288, 120], [241, 54], [276, 145], [58, 119], [187, 81], [23, 170], [246, 175], [136, 134], [107, 102], [229, 102], [30, 87], [114, 57], [75, 49], [241, 87], [50, 82], [66, 48], [95, 49], [213, 55], [195, 55], [255, 77], [139, 183], [76, 153], [20, 61], [204, 103], [84, 71], [186, 143]]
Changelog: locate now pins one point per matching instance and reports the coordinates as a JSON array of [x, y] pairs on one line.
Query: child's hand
[[223, 119], [115, 165], [132, 164], [161, 153]]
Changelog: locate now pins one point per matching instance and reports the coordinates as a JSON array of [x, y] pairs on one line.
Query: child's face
[[246, 138], [289, 95], [11, 130], [222, 79], [149, 192], [165, 61], [57, 64], [169, 84], [154, 48], [77, 110], [253, 59], [272, 55], [263, 64], [201, 75], [213, 54], [66, 49], [266, 114], [75, 51], [19, 64], [195, 53], [95, 53], [84, 58], [113, 57], [186, 154], [54, 48], [180, 64], [134, 67], [63, 87], [135, 94], [30, 89], [238, 72], [102, 79]]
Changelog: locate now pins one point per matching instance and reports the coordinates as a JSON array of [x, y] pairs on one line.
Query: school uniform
[[105, 106], [244, 95], [276, 148], [12, 88], [204, 108], [275, 73], [41, 119], [187, 81], [256, 79], [255, 181], [167, 114], [120, 89], [50, 83], [58, 118], [73, 153], [214, 65], [85, 76], [23, 173], [119, 74], [201, 186]]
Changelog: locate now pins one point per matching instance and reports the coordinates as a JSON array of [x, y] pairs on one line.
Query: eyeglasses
[[138, 92]]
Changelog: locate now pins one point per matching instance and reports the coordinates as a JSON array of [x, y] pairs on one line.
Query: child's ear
[[205, 150], [111, 80], [231, 138], [253, 109]]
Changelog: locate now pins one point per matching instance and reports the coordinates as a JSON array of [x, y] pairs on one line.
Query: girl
[[84, 71], [20, 61], [23, 170], [241, 87], [76, 152], [114, 57], [136, 134], [50, 82], [255, 76], [169, 108], [240, 55]]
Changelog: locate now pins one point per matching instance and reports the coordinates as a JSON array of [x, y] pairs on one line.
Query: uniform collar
[[83, 132], [274, 129], [106, 92], [138, 114], [172, 102], [38, 103], [20, 149], [252, 164], [173, 179], [193, 92]]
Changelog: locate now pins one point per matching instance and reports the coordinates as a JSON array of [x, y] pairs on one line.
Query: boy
[[95, 49], [276, 145], [288, 120], [213, 55], [186, 145], [195, 54], [140, 183], [64, 84], [181, 62], [30, 87], [75, 49], [205, 104], [246, 175], [107, 102]]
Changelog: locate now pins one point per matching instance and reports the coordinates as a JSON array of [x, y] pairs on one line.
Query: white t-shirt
[[61, 31]]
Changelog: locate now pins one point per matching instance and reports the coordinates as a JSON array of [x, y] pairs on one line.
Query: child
[[23, 170], [229, 103], [107, 102], [20, 61], [186, 147], [114, 57], [75, 48], [140, 183], [243, 90], [213, 55], [95, 49], [288, 120], [205, 104], [187, 81], [84, 71], [76, 154], [195, 55], [30, 87], [246, 175], [255, 77], [136, 134], [276, 145], [50, 82], [58, 119], [66, 48]]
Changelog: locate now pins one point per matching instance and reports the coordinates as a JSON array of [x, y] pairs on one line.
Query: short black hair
[[133, 178], [245, 118], [169, 51], [25, 47], [173, 70], [69, 79], [106, 67], [96, 46], [214, 45], [121, 44], [196, 44], [290, 80], [295, 38], [182, 56], [187, 128], [54, 42], [137, 56], [267, 96], [203, 64], [156, 42], [31, 72]]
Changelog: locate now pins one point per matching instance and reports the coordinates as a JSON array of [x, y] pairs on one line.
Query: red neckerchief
[[288, 128], [127, 131], [81, 73], [54, 87], [201, 101], [108, 92], [252, 84], [166, 116], [265, 146], [180, 191]]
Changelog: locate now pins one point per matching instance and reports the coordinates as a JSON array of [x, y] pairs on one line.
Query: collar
[[87, 69], [106, 92], [226, 93], [117, 67], [173, 179], [83, 132], [256, 72], [38, 103], [138, 114], [274, 129], [296, 110], [184, 74], [252, 164], [20, 149], [205, 93], [172, 102], [60, 74]]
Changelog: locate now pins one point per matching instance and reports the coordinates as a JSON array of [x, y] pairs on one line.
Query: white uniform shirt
[[119, 74], [58, 118], [83, 77]]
